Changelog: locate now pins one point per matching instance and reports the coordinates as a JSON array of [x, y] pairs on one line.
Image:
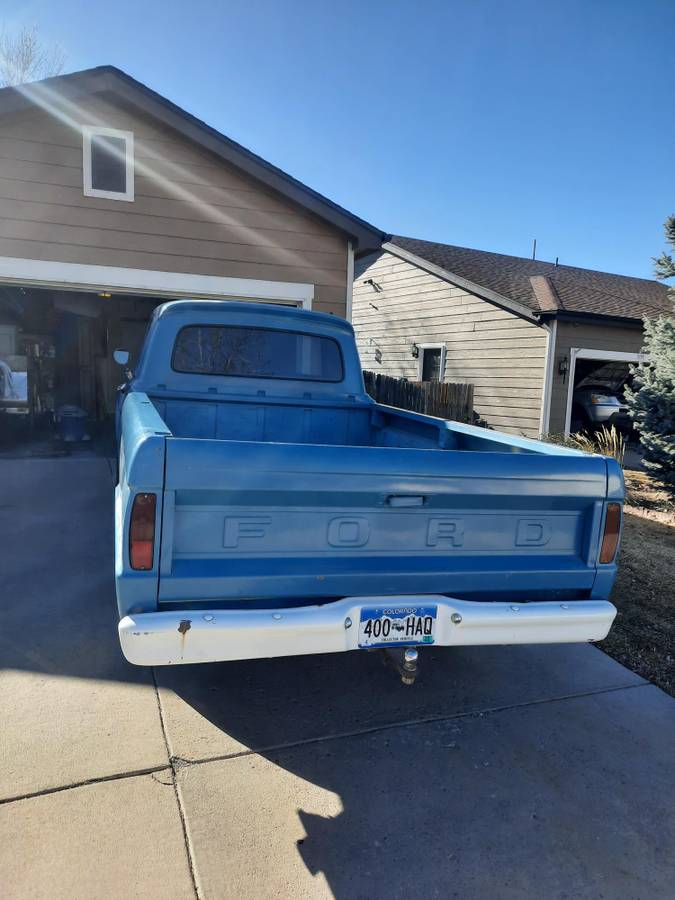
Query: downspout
[[350, 280], [545, 415]]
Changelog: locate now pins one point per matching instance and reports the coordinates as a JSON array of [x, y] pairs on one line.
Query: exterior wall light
[[414, 351], [563, 367]]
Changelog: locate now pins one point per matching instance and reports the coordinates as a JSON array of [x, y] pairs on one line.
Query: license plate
[[397, 626]]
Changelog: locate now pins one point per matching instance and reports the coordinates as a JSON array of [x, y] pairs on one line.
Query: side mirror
[[121, 357]]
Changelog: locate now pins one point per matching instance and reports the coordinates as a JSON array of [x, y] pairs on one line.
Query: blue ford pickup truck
[[267, 506]]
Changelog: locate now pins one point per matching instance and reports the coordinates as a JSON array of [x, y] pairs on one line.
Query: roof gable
[[109, 80], [544, 287]]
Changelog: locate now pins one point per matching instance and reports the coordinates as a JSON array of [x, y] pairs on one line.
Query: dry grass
[[608, 441], [643, 635], [645, 497]]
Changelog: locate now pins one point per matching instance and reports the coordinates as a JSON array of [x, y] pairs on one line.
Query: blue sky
[[482, 123]]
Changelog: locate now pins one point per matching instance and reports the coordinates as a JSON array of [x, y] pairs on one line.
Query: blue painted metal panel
[[279, 491], [272, 520], [141, 469], [154, 373]]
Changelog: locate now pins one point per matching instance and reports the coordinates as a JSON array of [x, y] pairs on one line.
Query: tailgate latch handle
[[405, 500]]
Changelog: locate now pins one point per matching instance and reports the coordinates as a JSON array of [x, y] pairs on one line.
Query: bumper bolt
[[456, 618]]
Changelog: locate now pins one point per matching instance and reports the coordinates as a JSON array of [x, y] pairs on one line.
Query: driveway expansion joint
[[116, 776], [175, 764], [179, 763]]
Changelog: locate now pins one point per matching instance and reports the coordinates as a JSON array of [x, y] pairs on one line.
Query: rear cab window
[[256, 353]]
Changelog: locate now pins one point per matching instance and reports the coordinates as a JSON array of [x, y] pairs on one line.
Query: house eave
[[108, 79], [484, 293]]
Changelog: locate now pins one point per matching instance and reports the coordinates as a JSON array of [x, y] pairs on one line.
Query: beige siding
[[192, 212], [592, 337], [502, 355]]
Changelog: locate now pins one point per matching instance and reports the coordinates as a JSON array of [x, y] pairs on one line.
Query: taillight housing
[[142, 531], [611, 532]]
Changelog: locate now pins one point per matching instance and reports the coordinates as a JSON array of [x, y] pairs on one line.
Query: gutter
[[612, 321]]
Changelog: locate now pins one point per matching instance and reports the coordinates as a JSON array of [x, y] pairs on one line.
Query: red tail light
[[142, 531], [610, 537]]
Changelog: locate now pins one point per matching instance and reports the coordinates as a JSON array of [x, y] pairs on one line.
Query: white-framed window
[[108, 163], [431, 362]]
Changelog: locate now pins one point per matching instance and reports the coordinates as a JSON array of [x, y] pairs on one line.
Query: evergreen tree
[[651, 400]]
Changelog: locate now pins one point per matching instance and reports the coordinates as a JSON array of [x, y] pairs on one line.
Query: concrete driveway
[[504, 772]]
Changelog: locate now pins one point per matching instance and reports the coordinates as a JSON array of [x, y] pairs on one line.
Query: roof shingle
[[545, 287]]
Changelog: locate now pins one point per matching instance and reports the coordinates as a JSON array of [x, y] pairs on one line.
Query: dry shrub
[[608, 441]]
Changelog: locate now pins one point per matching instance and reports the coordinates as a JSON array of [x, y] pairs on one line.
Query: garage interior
[[605, 378], [605, 372], [56, 359]]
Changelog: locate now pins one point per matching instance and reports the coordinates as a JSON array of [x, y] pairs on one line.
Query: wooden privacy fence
[[448, 401]]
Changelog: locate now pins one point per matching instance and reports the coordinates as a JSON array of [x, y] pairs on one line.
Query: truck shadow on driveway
[[502, 772], [474, 782]]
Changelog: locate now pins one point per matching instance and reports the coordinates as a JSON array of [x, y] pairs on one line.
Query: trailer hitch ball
[[409, 668]]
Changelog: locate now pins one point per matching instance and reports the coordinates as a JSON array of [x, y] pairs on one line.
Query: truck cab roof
[[220, 347], [222, 308]]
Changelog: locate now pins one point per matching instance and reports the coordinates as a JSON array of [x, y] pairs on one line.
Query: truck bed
[[266, 505], [337, 424]]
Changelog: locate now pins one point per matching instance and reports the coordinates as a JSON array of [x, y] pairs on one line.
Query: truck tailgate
[[274, 523]]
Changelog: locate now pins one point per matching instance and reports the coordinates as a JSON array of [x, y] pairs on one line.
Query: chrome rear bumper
[[195, 636]]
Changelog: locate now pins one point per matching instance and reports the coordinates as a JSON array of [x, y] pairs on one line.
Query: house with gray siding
[[524, 332]]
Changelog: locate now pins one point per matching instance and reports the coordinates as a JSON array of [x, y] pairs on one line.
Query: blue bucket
[[71, 422]]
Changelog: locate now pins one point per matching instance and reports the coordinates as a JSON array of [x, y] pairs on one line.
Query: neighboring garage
[[588, 353], [524, 332], [112, 200]]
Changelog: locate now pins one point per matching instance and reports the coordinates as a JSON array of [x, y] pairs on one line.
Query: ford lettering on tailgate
[[295, 531]]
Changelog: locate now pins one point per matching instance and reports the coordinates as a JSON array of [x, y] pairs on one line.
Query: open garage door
[[60, 322], [60, 343], [57, 346], [595, 394]]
